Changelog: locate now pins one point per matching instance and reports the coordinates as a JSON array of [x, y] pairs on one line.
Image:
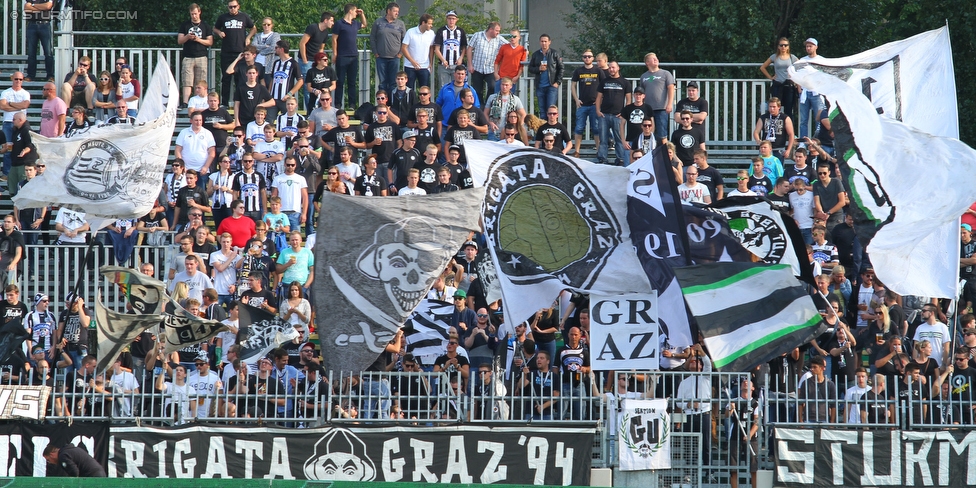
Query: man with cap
[[450, 45], [967, 265], [634, 114], [466, 259], [463, 316], [809, 99], [453, 362], [313, 390], [403, 159], [694, 103], [206, 383]]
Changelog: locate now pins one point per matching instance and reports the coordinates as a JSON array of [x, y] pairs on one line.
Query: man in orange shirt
[[508, 62]]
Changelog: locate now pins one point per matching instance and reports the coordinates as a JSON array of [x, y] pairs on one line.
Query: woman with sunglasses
[[783, 89], [265, 42], [104, 98], [220, 189]]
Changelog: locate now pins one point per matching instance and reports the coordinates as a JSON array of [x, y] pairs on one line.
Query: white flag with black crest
[[109, 172]]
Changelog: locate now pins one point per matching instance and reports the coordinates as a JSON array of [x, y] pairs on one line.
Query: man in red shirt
[[508, 62], [238, 225]]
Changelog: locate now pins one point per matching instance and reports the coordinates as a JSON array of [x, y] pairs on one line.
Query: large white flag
[[554, 223], [910, 81], [110, 172], [907, 190]]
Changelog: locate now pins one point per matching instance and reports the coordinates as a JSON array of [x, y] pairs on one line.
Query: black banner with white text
[[839, 457], [461, 454], [22, 445]]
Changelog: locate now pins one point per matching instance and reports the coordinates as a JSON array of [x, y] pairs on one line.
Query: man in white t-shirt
[[127, 384], [292, 188], [207, 384], [413, 179], [71, 225], [936, 333], [693, 192], [416, 51], [13, 100], [196, 146], [194, 279]]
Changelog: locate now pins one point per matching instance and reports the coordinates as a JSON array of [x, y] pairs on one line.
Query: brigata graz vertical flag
[[749, 313], [657, 231], [553, 223], [907, 189], [375, 260]]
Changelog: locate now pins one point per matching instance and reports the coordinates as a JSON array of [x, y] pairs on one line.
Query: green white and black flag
[[749, 313]]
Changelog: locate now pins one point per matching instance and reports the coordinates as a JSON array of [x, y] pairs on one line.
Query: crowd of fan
[[249, 160]]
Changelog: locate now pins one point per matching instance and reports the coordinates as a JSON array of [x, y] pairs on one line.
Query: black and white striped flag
[[426, 330], [749, 313]]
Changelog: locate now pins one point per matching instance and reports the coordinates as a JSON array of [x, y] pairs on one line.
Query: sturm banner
[[828, 457], [22, 445], [624, 332], [460, 454]]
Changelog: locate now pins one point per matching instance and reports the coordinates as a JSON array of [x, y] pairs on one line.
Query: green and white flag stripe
[[748, 313]]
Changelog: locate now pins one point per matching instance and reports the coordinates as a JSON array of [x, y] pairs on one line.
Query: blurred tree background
[[745, 31], [718, 31]]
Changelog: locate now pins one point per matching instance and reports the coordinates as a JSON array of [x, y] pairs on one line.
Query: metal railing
[[54, 270], [735, 104]]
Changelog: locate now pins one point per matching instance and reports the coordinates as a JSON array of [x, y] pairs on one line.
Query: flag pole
[[84, 266]]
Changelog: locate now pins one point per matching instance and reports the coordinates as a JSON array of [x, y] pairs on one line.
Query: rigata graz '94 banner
[[460, 454]]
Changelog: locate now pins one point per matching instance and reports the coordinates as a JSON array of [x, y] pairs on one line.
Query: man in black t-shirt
[[250, 96], [687, 138], [342, 135], [693, 103], [585, 85], [636, 113], [383, 136], [709, 176], [12, 251], [554, 128], [196, 37], [613, 96], [235, 29], [370, 184], [218, 121], [402, 161]]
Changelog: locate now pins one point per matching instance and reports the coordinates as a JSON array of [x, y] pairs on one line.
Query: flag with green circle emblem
[[554, 223]]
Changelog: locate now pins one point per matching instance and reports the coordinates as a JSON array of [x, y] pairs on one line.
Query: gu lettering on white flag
[[554, 223], [181, 329], [905, 213], [644, 435], [109, 172]]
